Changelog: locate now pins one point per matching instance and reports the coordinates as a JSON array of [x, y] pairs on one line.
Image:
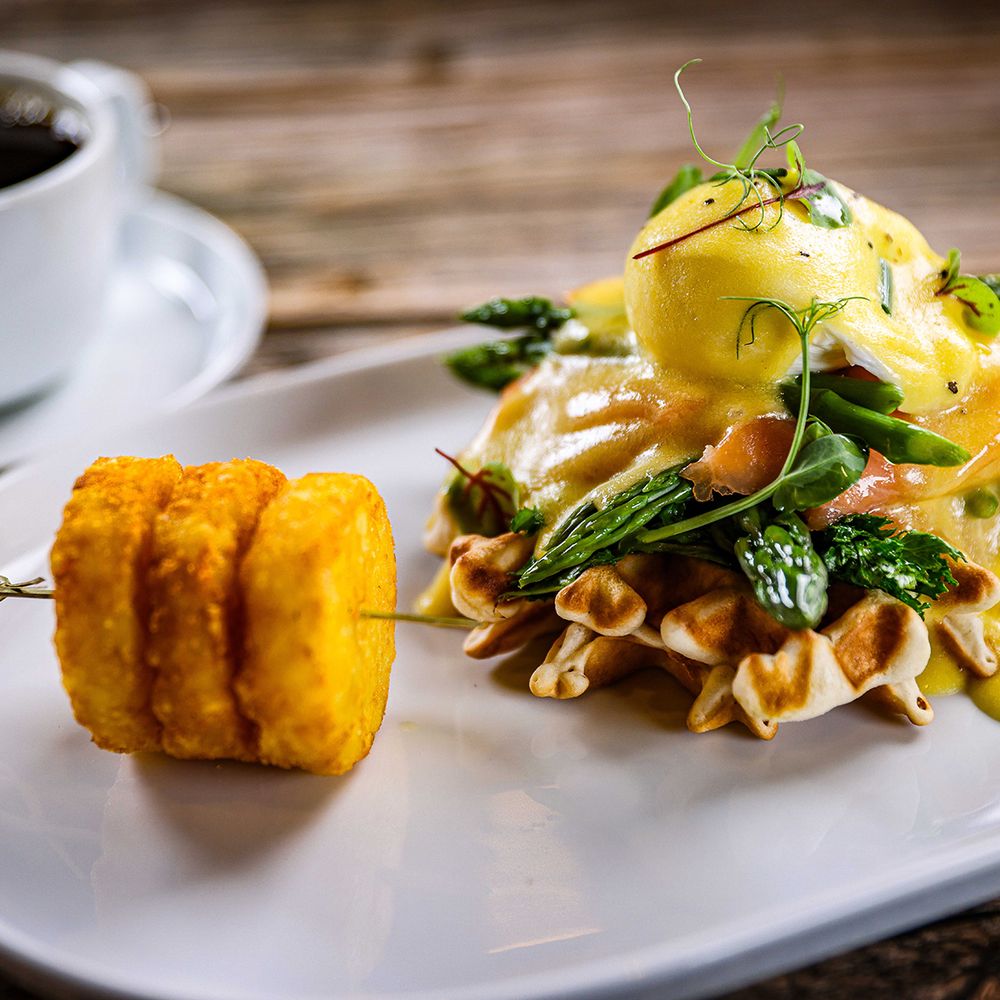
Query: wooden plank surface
[[392, 162]]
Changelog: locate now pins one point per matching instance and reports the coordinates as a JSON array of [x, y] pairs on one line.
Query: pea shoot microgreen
[[752, 181], [826, 465], [761, 187]]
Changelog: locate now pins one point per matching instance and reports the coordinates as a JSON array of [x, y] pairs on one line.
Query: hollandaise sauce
[[581, 427], [679, 306]]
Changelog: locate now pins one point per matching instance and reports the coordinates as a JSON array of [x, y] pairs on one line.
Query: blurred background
[[394, 161]]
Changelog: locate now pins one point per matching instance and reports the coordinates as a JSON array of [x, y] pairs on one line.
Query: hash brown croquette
[[215, 611], [194, 639], [303, 595], [99, 563]]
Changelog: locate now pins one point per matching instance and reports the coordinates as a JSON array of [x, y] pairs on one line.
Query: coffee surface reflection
[[35, 134]]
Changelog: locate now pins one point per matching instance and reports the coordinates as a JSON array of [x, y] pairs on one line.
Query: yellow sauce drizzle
[[942, 675], [435, 599], [985, 694]]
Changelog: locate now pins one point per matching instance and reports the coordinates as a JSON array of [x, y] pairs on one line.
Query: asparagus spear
[[789, 578], [610, 530], [898, 440], [883, 397]]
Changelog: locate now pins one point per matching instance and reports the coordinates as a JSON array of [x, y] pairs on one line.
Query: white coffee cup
[[59, 229]]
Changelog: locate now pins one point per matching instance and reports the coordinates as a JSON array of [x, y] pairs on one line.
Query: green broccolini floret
[[869, 551]]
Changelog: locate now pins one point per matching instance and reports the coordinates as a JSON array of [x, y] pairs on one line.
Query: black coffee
[[35, 134]]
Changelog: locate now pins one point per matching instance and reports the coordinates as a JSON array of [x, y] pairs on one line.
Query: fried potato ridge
[[99, 562], [315, 674], [215, 611], [195, 626]]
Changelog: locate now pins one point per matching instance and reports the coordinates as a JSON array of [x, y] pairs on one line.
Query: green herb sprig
[[744, 168], [803, 321], [528, 521], [870, 552], [826, 465], [690, 175]]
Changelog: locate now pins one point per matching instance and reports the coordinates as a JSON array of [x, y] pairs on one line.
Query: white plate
[[187, 307], [492, 845]]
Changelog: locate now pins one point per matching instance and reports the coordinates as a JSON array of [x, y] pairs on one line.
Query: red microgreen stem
[[802, 191], [482, 480], [971, 306]]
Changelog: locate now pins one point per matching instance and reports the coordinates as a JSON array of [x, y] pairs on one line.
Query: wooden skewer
[[31, 589]]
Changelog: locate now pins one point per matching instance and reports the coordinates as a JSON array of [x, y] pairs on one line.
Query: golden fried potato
[[99, 563], [195, 627], [315, 674]]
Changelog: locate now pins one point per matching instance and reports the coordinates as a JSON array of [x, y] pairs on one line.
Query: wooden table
[[392, 162]]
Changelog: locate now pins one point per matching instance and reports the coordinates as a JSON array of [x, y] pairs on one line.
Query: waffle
[[701, 623]]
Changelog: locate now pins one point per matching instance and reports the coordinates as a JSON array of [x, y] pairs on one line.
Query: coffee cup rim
[[77, 90]]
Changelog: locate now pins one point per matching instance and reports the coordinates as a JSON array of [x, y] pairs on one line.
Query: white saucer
[[188, 306]]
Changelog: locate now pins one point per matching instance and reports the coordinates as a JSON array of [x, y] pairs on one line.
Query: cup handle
[[134, 112]]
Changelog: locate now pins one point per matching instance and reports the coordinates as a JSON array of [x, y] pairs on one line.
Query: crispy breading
[[195, 628], [99, 562], [315, 674]]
